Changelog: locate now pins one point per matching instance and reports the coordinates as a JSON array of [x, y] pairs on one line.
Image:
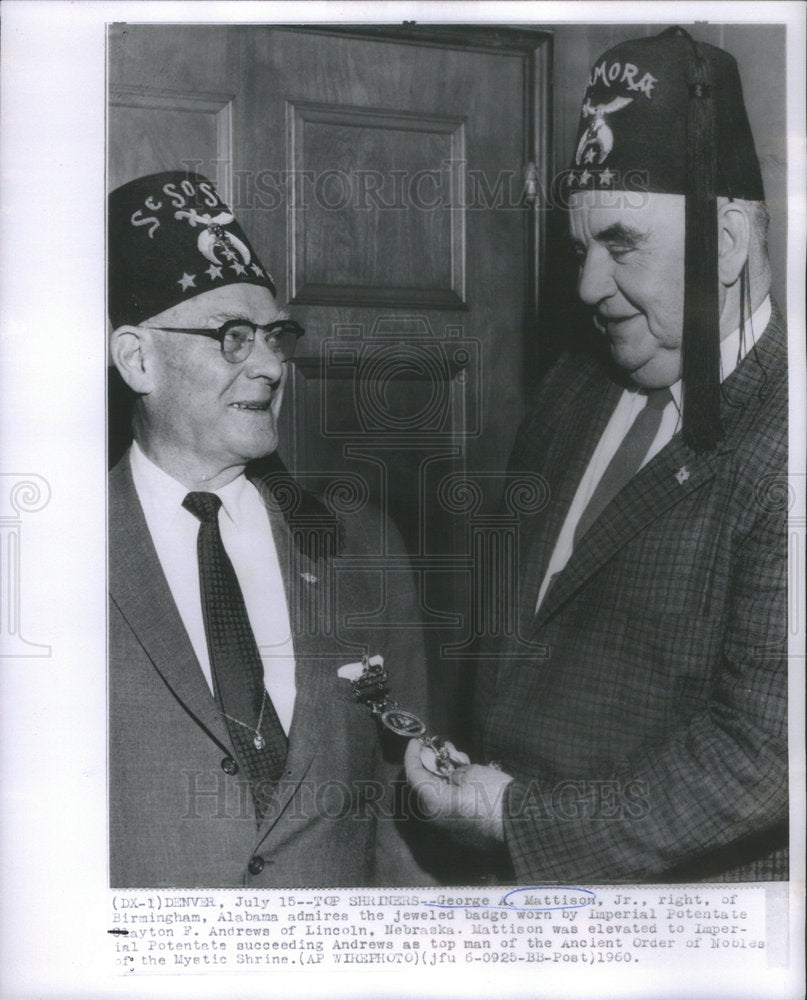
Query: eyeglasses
[[237, 337]]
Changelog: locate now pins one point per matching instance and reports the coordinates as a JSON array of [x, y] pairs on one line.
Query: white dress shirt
[[247, 539], [733, 349]]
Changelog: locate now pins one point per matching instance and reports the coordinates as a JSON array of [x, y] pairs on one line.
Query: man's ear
[[129, 348], [733, 241]]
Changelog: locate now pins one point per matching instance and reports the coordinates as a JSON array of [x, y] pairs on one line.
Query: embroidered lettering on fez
[[172, 237]]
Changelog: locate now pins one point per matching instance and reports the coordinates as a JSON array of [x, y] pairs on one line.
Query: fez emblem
[[598, 140], [214, 238]]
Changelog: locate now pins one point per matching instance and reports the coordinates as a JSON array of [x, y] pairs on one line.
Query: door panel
[[354, 170], [152, 130]]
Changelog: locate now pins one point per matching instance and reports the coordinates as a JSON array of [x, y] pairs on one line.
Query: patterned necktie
[[257, 736], [627, 459]]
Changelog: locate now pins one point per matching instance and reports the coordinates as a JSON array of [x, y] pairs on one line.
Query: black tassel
[[701, 334]]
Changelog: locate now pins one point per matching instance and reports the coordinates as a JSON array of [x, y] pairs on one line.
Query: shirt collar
[[234, 497], [734, 348], [164, 493]]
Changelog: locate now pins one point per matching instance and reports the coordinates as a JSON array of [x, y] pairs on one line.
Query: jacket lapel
[[563, 468], [309, 588], [669, 478], [665, 481], [140, 591]]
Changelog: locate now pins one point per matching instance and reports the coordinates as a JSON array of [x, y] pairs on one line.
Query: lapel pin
[[308, 577], [353, 671], [682, 475]]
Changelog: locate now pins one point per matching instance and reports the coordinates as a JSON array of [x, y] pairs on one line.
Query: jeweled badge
[[370, 685]]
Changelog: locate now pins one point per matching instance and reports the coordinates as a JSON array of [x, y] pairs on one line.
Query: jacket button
[[255, 866], [229, 766]]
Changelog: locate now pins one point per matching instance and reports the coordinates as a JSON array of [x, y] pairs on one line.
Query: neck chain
[[257, 740]]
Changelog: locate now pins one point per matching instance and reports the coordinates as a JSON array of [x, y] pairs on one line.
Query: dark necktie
[[627, 459], [257, 736]]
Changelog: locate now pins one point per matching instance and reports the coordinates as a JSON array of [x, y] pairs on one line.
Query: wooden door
[[379, 174]]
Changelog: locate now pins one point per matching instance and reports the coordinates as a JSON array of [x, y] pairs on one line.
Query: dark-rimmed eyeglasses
[[237, 337]]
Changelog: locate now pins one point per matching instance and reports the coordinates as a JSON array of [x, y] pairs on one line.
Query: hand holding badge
[[369, 682]]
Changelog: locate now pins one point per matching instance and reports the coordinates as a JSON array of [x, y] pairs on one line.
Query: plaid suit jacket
[[643, 709], [177, 818]]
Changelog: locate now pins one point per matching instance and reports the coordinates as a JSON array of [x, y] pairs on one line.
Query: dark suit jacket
[[176, 817], [643, 709]]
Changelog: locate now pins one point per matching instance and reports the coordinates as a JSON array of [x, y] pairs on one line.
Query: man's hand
[[468, 805]]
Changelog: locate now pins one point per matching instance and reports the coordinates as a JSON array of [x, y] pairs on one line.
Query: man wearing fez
[[238, 752], [638, 719]]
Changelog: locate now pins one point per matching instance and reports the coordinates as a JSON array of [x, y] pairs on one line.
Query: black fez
[[666, 115], [171, 237]]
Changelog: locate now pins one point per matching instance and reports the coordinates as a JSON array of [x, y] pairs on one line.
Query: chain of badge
[[437, 754]]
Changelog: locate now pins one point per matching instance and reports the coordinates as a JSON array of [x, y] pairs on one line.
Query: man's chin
[[654, 373], [266, 449], [258, 447], [657, 380]]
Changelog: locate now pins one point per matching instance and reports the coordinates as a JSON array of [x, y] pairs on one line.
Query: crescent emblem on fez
[[215, 240], [598, 135]]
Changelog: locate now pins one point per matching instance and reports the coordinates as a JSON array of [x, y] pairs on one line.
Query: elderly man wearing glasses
[[239, 755]]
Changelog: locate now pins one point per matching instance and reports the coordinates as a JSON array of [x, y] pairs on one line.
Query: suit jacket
[[642, 710], [176, 817]]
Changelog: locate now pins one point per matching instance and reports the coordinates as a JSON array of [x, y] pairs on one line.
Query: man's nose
[[596, 281], [263, 362]]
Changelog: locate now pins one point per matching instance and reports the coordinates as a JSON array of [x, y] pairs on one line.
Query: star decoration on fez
[[585, 177], [606, 176], [238, 268], [572, 177], [187, 281], [590, 156], [214, 271], [258, 270]]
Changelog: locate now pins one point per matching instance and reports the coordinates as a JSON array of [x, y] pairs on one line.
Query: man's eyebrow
[[233, 316], [222, 316], [619, 233]]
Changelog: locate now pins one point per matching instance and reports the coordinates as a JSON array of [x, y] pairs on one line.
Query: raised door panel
[[353, 168], [155, 130]]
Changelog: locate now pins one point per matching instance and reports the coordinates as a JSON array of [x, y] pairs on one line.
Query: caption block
[[234, 930]]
